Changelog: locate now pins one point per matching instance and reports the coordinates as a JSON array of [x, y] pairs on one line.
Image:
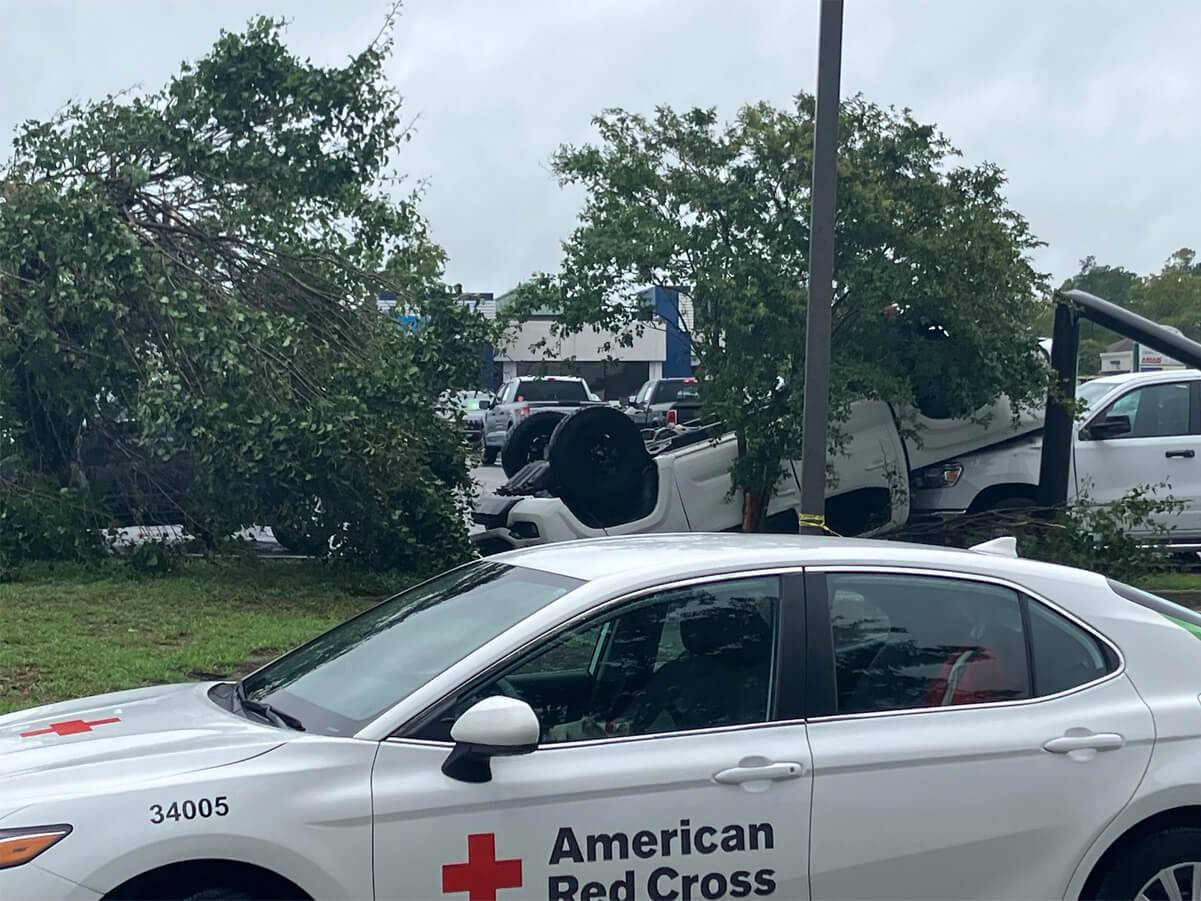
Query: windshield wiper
[[272, 714]]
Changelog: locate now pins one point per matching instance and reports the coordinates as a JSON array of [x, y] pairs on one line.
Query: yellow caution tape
[[817, 521]]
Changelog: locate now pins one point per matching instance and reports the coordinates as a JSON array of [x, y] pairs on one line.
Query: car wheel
[[597, 457], [529, 440], [1162, 866], [490, 454]]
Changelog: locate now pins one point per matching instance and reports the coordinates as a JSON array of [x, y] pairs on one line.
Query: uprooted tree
[[187, 293], [934, 292]]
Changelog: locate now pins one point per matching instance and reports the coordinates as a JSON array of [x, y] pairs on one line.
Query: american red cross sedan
[[671, 718]]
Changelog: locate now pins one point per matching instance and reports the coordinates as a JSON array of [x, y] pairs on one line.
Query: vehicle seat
[[923, 633], [720, 678], [994, 669], [1164, 417]]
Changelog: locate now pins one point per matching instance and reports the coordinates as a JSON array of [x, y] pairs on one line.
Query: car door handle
[[774, 772], [1187, 454], [1092, 741]]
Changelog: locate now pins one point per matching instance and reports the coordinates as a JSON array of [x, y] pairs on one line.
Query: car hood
[[167, 730]]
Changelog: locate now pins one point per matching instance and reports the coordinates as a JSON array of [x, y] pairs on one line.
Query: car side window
[[905, 642], [1064, 655], [1155, 411], [684, 659]]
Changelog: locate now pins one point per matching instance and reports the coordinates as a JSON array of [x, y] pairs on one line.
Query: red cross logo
[[483, 874], [70, 727]]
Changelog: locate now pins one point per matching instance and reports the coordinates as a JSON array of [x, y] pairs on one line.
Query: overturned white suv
[[593, 473]]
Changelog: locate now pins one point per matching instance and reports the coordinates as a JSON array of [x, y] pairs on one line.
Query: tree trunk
[[754, 510], [79, 478], [754, 503]]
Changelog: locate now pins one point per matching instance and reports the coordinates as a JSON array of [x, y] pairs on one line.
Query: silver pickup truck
[[525, 396]]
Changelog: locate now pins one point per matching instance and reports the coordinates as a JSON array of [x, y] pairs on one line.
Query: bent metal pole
[[821, 268]]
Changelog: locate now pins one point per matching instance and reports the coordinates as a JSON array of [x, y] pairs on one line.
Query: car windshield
[[1090, 392], [343, 679], [469, 403], [552, 389]]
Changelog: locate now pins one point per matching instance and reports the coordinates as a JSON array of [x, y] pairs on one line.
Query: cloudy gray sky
[[1093, 107]]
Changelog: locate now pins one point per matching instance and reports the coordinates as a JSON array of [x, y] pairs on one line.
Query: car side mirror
[[494, 727], [485, 405], [1109, 427]]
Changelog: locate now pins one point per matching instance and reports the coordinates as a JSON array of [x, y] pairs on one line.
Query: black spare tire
[[597, 457], [528, 440]]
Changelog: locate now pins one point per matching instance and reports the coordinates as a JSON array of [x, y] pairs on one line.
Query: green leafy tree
[[189, 275], [1172, 296], [935, 296]]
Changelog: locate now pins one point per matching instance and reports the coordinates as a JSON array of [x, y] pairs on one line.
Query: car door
[[969, 740], [671, 766], [640, 410], [494, 418], [1163, 447]]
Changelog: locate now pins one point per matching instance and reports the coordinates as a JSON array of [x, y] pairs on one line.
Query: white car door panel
[[974, 743], [628, 819], [971, 803], [671, 766], [1161, 450]]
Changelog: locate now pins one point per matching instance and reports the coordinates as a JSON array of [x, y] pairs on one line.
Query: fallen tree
[[187, 285]]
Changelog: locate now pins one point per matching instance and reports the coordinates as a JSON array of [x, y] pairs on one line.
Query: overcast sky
[[1093, 107]]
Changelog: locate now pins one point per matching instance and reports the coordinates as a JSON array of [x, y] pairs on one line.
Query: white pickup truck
[[1136, 429]]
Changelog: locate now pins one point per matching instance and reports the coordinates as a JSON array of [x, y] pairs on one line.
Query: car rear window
[[665, 392], [1179, 614], [551, 390]]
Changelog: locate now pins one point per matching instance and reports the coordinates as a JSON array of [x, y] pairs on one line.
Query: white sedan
[[671, 718]]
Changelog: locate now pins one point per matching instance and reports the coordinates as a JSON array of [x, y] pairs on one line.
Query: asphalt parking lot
[[489, 478]]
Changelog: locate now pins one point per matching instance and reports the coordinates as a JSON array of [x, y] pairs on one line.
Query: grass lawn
[[1172, 581], [67, 631]]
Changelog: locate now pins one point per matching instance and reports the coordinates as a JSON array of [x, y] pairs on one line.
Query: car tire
[[1153, 858], [597, 457], [490, 455], [529, 440]]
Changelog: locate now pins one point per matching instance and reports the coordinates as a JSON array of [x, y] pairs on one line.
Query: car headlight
[[945, 475], [18, 846]]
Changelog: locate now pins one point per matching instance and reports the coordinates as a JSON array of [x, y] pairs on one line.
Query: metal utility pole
[[821, 268], [1054, 469]]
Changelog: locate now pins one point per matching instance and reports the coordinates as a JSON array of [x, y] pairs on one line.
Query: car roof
[[641, 559], [1156, 375]]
